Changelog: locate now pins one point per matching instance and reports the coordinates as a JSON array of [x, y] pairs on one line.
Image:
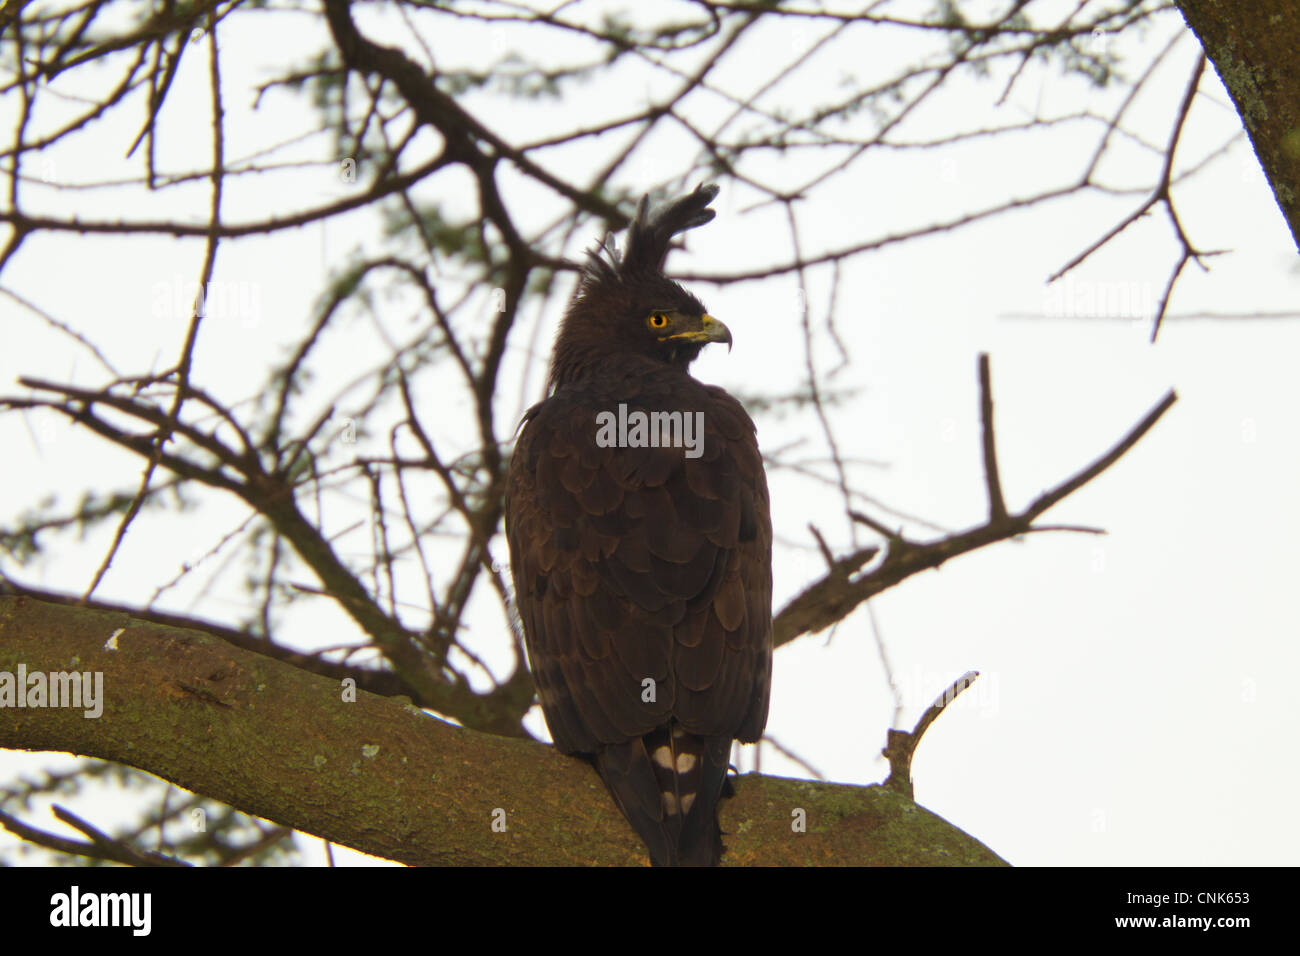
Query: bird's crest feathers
[[650, 235]]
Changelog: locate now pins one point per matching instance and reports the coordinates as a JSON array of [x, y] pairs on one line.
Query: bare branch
[[836, 595], [901, 746]]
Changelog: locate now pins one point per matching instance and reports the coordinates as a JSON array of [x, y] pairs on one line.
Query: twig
[[901, 745], [825, 549], [997, 507], [101, 847], [1162, 193], [791, 755]]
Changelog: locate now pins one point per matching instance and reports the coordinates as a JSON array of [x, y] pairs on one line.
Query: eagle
[[641, 544]]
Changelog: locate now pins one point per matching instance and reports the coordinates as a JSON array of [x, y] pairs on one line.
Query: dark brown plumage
[[643, 574]]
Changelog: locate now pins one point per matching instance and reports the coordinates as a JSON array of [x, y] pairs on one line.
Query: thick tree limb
[[386, 778], [1253, 45]]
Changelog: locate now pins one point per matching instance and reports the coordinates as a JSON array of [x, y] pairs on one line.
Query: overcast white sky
[[1135, 703]]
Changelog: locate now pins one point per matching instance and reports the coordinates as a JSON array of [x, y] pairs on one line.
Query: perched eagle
[[641, 545]]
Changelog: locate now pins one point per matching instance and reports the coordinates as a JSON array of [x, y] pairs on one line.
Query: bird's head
[[626, 305]]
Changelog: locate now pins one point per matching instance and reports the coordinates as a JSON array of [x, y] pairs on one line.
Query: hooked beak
[[710, 330]]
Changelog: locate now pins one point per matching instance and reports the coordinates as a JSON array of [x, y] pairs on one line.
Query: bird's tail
[[668, 784]]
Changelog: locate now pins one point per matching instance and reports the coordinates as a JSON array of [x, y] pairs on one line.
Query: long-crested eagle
[[641, 545]]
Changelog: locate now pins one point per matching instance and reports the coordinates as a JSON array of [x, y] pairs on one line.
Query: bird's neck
[[613, 370]]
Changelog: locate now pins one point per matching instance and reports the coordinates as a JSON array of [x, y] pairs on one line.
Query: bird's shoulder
[[571, 418]]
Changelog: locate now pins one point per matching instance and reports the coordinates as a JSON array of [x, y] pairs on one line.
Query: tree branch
[[837, 594], [384, 777]]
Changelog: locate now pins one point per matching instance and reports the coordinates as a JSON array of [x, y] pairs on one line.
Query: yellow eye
[[657, 320]]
